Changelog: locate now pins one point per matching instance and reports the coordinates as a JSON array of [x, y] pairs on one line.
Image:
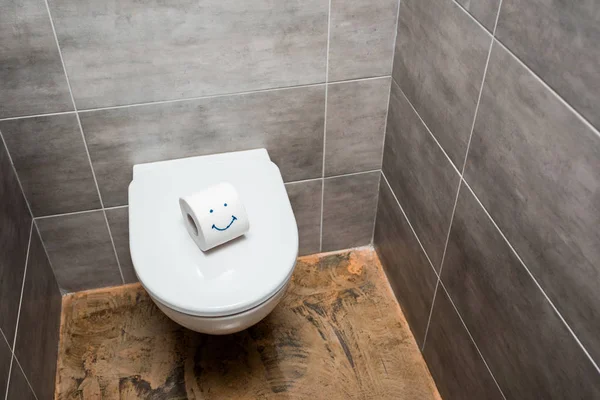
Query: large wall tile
[[32, 80], [15, 225], [118, 220], [454, 362], [355, 125], [361, 41], [439, 61], [19, 389], [559, 41], [534, 165], [288, 123], [39, 322], [420, 174], [349, 207], [5, 357], [485, 11], [305, 198], [529, 350], [404, 262], [80, 250], [125, 52], [50, 158]]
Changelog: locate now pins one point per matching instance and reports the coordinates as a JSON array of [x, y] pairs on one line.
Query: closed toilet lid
[[233, 277]]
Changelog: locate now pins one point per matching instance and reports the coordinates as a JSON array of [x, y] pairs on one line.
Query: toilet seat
[[232, 278]]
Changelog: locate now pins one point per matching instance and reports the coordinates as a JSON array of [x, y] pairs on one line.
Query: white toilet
[[235, 285]]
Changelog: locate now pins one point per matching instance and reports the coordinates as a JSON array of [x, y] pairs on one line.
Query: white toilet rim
[[249, 309]]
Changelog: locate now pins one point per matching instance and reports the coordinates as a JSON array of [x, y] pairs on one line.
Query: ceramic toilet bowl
[[235, 285]]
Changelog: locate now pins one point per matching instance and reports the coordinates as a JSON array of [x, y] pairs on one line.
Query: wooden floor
[[337, 334]]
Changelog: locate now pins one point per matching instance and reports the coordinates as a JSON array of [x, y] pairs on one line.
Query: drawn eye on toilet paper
[[233, 219]]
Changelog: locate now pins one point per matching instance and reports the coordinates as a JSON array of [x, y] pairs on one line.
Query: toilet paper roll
[[214, 216]]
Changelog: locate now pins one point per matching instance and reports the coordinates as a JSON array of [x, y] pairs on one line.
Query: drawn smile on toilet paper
[[233, 219]]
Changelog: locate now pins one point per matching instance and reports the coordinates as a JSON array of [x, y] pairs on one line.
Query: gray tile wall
[[489, 206], [30, 299], [90, 88]]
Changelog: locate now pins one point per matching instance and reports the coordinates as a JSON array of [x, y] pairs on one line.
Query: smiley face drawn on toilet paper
[[233, 219]]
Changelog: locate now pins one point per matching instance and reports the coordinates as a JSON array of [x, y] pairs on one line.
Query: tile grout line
[[29, 116], [25, 376], [37, 229], [4, 337], [325, 124], [116, 207], [372, 242], [426, 127], [472, 339], [587, 123], [461, 173], [69, 213], [532, 277], [127, 205], [213, 96], [14, 345], [112, 241], [451, 218], [409, 224], [16, 174], [352, 174], [33, 219], [426, 255], [387, 112], [546, 85], [22, 287], [303, 181], [12, 357], [456, 3], [437, 284], [369, 78], [83, 137]]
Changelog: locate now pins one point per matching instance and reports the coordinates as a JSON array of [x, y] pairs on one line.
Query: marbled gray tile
[[19, 389], [407, 269], [420, 175], [15, 225], [349, 207], [305, 198], [355, 125], [32, 80], [50, 158], [453, 360], [125, 52], [287, 122], [39, 322], [118, 220], [558, 40], [5, 356], [80, 250], [529, 350], [361, 40], [439, 62], [484, 11], [534, 165]]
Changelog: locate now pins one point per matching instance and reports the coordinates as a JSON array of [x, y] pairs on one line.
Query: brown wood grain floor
[[337, 334]]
